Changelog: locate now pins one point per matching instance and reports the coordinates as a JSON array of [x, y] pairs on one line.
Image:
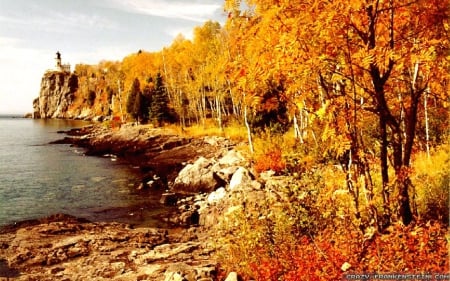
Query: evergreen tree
[[133, 96], [159, 110], [137, 108], [145, 102]]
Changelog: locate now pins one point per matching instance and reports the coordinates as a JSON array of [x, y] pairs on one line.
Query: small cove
[[38, 179]]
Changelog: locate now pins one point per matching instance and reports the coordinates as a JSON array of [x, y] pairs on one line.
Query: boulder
[[216, 195], [232, 158], [225, 173], [197, 177], [240, 178]]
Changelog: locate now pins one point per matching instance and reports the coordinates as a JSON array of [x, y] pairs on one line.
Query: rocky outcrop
[[207, 175], [160, 153], [56, 95], [64, 248], [197, 177]]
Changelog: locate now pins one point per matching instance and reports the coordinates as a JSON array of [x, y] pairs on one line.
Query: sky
[[85, 31]]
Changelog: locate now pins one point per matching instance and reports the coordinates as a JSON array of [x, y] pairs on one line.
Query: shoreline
[[153, 150], [207, 180], [64, 246]]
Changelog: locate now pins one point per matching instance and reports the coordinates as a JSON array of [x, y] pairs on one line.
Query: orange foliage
[[270, 160], [418, 249], [318, 260]]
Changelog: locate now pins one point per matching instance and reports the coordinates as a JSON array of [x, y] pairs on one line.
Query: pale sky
[[85, 31]]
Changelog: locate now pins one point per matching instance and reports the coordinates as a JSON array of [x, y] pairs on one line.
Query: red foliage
[[421, 248], [411, 249], [271, 160], [310, 260]]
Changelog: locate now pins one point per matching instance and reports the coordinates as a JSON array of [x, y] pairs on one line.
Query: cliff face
[[56, 95]]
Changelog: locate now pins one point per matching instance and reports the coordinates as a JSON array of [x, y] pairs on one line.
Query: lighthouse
[[59, 66], [58, 61]]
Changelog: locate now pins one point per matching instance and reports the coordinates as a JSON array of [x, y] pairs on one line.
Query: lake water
[[38, 179]]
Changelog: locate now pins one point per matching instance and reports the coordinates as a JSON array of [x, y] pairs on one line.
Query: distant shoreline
[[14, 115], [6, 115]]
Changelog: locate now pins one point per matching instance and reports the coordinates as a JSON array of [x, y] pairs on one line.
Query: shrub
[[270, 160], [309, 232], [420, 248]]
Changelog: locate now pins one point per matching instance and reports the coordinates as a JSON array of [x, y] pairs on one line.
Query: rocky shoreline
[[205, 178]]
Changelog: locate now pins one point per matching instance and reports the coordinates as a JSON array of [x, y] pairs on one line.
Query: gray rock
[[231, 158], [240, 178], [225, 173], [197, 177]]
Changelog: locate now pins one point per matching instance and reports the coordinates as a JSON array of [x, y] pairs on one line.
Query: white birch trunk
[[249, 133], [427, 133]]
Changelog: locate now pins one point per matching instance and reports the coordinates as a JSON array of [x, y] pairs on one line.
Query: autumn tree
[[346, 61], [208, 74], [178, 61]]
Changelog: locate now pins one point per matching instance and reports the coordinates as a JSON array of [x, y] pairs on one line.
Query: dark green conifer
[[159, 110], [133, 96]]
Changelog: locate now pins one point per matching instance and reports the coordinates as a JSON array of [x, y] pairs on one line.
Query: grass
[[232, 131]]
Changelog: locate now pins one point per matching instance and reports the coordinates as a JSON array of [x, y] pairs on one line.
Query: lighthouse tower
[[58, 61]]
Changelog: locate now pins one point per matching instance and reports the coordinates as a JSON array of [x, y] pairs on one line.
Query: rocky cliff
[[56, 95], [68, 95]]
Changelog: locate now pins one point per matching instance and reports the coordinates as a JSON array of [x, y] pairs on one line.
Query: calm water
[[37, 179]]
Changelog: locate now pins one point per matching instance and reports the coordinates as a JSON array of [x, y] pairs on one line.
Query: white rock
[[239, 178], [217, 195]]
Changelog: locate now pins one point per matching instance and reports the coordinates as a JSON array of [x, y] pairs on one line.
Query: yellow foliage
[[431, 180], [234, 131]]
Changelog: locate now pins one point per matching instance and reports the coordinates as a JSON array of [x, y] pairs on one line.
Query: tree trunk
[[297, 132], [427, 134], [384, 169], [249, 133], [405, 212], [219, 113]]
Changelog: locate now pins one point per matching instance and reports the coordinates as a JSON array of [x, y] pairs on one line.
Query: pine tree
[[159, 110], [145, 102], [137, 108], [133, 97]]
